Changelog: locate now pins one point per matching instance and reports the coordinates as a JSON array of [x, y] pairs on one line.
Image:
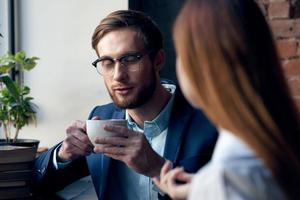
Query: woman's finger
[[165, 168], [184, 176]]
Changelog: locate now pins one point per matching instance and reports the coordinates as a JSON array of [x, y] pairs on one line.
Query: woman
[[227, 65]]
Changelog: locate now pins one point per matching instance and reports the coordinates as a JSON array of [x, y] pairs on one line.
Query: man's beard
[[143, 95]]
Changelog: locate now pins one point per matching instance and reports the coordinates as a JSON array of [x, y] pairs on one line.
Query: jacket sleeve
[[47, 179]]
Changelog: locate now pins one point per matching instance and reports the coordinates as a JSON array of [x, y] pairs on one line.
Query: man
[[161, 124]]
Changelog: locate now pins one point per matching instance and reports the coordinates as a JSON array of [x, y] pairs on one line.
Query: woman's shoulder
[[239, 179]]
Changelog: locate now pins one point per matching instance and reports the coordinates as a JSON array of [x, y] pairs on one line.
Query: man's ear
[[159, 60]]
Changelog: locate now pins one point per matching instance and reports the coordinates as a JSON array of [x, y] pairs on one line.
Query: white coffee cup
[[96, 127]]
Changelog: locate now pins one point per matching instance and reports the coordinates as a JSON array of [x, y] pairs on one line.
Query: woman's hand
[[168, 181]]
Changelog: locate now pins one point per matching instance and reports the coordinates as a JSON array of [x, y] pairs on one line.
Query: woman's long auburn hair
[[227, 51]]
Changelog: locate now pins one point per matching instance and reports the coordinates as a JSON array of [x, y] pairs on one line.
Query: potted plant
[[16, 107], [16, 111]]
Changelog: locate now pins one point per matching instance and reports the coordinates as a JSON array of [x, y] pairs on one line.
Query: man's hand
[[132, 148], [76, 143]]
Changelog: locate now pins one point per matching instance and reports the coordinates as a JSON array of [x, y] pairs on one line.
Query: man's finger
[[79, 124], [119, 141], [104, 145], [81, 141], [73, 151], [96, 118], [110, 150], [81, 136], [121, 130], [116, 157]]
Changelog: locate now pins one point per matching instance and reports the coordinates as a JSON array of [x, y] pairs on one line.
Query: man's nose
[[120, 72]]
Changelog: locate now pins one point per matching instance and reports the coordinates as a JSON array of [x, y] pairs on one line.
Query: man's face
[[128, 89]]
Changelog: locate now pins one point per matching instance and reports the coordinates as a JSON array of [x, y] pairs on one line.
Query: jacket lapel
[[118, 114], [179, 120]]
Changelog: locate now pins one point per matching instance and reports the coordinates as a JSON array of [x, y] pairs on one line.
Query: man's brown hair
[[146, 28]]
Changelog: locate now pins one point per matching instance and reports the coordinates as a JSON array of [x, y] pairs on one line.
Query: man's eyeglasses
[[106, 65]]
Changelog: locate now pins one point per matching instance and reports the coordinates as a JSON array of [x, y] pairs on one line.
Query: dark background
[[163, 13]]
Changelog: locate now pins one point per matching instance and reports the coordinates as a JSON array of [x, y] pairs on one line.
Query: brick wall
[[284, 19]]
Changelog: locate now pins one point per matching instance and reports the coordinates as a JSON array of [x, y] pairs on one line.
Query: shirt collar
[[160, 123]]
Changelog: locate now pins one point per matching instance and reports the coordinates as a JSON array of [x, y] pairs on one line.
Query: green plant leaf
[[25, 90], [30, 63], [20, 56], [11, 86], [7, 62], [5, 68], [28, 98]]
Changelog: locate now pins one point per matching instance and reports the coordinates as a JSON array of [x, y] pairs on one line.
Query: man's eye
[[130, 58], [107, 62]]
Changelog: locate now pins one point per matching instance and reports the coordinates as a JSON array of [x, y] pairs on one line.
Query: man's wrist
[[156, 170], [57, 162], [59, 157]]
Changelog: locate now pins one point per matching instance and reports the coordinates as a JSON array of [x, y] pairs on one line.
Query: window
[[9, 29]]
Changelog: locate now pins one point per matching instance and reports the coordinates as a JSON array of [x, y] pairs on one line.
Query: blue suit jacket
[[189, 143]]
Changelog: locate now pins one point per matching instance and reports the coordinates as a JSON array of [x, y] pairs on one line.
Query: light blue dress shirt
[[235, 173], [127, 184]]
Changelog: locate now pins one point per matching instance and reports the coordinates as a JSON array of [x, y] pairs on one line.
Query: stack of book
[[15, 171]]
